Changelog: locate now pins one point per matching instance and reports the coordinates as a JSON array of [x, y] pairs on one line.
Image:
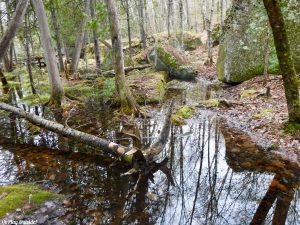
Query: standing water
[[206, 190]]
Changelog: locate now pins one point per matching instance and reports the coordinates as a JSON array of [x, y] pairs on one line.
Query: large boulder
[[242, 47], [173, 61]]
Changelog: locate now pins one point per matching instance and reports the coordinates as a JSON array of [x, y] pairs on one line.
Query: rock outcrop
[[242, 47], [173, 61]]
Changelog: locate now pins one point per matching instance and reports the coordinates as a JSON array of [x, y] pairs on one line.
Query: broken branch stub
[[162, 139]]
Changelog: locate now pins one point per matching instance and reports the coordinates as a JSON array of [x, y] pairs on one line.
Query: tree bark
[[28, 57], [128, 26], [13, 27], [170, 12], [142, 23], [128, 103], [284, 56], [57, 91], [57, 36], [181, 22], [187, 14], [79, 41], [96, 40]]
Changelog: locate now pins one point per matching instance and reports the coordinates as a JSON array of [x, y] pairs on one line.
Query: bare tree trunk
[[79, 41], [57, 91], [28, 57], [57, 37], [181, 22], [96, 40], [128, 25], [128, 103], [142, 22], [8, 58], [13, 27], [187, 14], [209, 31], [284, 56], [170, 12]]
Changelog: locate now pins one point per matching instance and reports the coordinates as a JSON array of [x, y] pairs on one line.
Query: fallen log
[[143, 163], [104, 145], [112, 72]]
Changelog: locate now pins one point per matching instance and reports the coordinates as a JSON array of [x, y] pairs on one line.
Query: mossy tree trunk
[[127, 101], [57, 91], [284, 56]]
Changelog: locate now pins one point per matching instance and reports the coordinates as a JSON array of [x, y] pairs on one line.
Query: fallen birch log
[[104, 145]]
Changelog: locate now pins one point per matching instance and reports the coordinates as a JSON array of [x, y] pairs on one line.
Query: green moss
[[185, 112], [291, 127], [177, 120], [213, 102], [83, 89], [167, 58], [18, 195], [248, 93], [263, 113], [274, 146]]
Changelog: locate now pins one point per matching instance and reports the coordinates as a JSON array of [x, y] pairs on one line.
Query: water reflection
[[206, 191]]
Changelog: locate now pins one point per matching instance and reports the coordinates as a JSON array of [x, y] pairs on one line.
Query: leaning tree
[[284, 56]]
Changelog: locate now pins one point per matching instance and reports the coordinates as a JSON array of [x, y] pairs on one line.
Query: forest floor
[[261, 116]]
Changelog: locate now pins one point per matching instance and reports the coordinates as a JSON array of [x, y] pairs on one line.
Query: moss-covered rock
[[242, 46], [15, 196], [173, 61], [148, 86]]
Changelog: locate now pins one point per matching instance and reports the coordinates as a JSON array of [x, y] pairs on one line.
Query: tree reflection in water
[[206, 191]]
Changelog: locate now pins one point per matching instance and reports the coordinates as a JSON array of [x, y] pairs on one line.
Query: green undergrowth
[[107, 86], [185, 112], [15, 196], [291, 127], [35, 99], [100, 88]]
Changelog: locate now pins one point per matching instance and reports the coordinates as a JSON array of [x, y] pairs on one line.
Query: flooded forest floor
[[229, 151]]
